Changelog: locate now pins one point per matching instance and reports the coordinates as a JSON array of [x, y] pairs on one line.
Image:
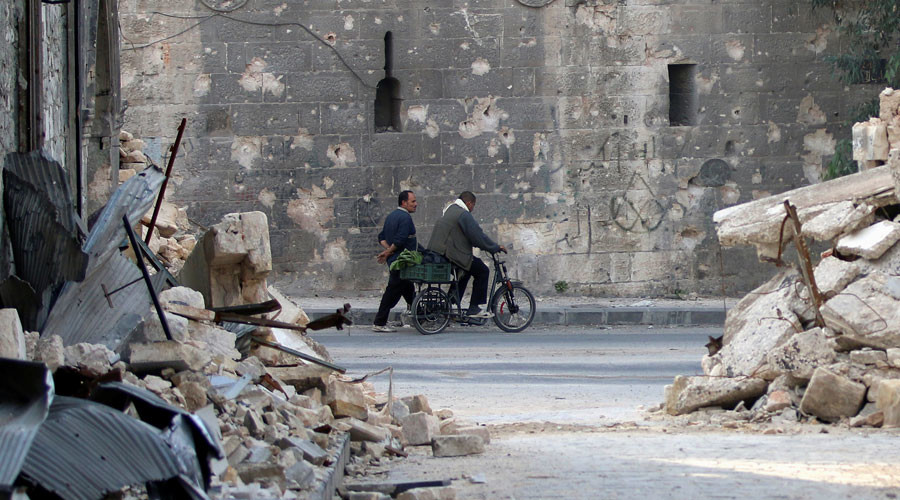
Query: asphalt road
[[567, 375], [564, 407]]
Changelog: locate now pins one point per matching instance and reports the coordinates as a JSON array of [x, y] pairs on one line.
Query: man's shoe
[[383, 329], [476, 312]]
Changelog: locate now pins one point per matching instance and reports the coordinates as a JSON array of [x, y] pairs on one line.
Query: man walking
[[398, 234], [454, 235]]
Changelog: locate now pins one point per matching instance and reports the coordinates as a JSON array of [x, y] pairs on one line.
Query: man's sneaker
[[476, 312], [383, 329]]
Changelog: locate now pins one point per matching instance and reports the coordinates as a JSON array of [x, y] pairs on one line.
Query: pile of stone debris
[[213, 387], [820, 340]]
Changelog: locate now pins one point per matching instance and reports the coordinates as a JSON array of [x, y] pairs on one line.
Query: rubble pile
[[172, 239], [270, 415], [821, 339]]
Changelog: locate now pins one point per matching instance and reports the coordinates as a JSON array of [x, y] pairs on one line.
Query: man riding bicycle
[[454, 235]]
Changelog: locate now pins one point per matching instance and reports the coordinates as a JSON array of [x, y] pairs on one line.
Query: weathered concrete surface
[[889, 402], [868, 311], [802, 354], [872, 241], [12, 337], [833, 274], [687, 394], [556, 117], [457, 445], [830, 396]]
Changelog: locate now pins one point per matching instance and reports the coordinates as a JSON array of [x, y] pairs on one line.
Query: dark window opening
[[387, 94], [683, 100]]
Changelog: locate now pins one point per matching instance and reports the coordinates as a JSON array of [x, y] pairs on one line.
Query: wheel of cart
[[512, 304], [430, 311]]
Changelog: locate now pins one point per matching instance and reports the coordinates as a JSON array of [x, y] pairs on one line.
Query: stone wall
[[9, 21], [557, 117]]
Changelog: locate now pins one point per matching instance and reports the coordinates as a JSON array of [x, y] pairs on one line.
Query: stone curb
[[586, 316]]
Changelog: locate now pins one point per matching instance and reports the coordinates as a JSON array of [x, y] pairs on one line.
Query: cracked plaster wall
[[556, 117]]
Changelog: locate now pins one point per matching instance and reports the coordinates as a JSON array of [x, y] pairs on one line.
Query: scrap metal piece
[[806, 266], [249, 309], [219, 317], [25, 398], [395, 489], [45, 235], [133, 198], [143, 268], [302, 355], [173, 152], [82, 314]]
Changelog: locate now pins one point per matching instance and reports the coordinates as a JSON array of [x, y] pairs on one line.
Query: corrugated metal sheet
[[44, 232], [134, 197], [82, 313], [85, 450], [26, 390]]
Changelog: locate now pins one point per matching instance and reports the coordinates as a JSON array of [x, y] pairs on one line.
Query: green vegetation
[[561, 286], [869, 32]]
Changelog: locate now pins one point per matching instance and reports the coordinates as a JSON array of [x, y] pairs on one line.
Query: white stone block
[[12, 337], [872, 241]]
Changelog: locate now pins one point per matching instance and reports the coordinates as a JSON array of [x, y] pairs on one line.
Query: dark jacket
[[454, 235], [399, 230]]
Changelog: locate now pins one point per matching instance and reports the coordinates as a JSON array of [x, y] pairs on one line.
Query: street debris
[[122, 379], [820, 341]]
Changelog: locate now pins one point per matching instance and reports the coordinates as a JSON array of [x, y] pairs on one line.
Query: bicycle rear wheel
[[513, 308], [430, 311]]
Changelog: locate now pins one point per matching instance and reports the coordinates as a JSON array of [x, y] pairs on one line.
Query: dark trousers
[[482, 275], [396, 288]]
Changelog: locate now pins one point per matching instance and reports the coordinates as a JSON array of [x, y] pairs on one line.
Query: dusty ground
[[568, 413]]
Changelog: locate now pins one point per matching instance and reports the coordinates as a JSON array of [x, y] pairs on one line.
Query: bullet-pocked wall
[[599, 136]]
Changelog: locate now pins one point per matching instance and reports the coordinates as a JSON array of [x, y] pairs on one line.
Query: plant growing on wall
[[869, 32]]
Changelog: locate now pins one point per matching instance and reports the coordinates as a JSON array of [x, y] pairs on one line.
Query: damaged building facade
[[599, 136]]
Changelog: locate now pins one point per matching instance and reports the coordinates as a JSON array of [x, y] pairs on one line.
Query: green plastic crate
[[429, 273]]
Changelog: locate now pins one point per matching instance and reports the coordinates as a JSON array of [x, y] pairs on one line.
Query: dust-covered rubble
[[822, 345]]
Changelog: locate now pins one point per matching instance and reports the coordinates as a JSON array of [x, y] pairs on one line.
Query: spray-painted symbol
[[638, 209]]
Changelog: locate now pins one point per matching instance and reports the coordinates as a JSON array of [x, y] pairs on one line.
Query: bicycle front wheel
[[431, 311], [513, 308]]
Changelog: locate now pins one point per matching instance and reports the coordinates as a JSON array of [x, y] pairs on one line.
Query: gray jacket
[[454, 235]]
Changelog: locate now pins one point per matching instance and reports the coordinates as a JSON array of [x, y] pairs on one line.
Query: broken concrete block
[[182, 295], [399, 410], [312, 452], [194, 395], [869, 416], [889, 402], [266, 471], [759, 322], [219, 342], [230, 262], [417, 403], [50, 351], [443, 413], [346, 400], [687, 394], [831, 397], [12, 337], [777, 401], [802, 354], [299, 475], [479, 431], [93, 357], [870, 242], [440, 493], [290, 311], [367, 495], [893, 357], [870, 141], [457, 445], [167, 354], [361, 431], [833, 275], [238, 455], [31, 340], [868, 311], [841, 217], [867, 356], [419, 428], [759, 222]]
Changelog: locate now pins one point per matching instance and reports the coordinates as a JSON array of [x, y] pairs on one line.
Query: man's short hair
[[404, 196], [467, 197]]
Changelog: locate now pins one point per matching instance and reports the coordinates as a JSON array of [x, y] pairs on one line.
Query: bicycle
[[432, 308]]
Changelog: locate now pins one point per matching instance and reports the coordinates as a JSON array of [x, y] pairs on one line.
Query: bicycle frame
[[500, 276]]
